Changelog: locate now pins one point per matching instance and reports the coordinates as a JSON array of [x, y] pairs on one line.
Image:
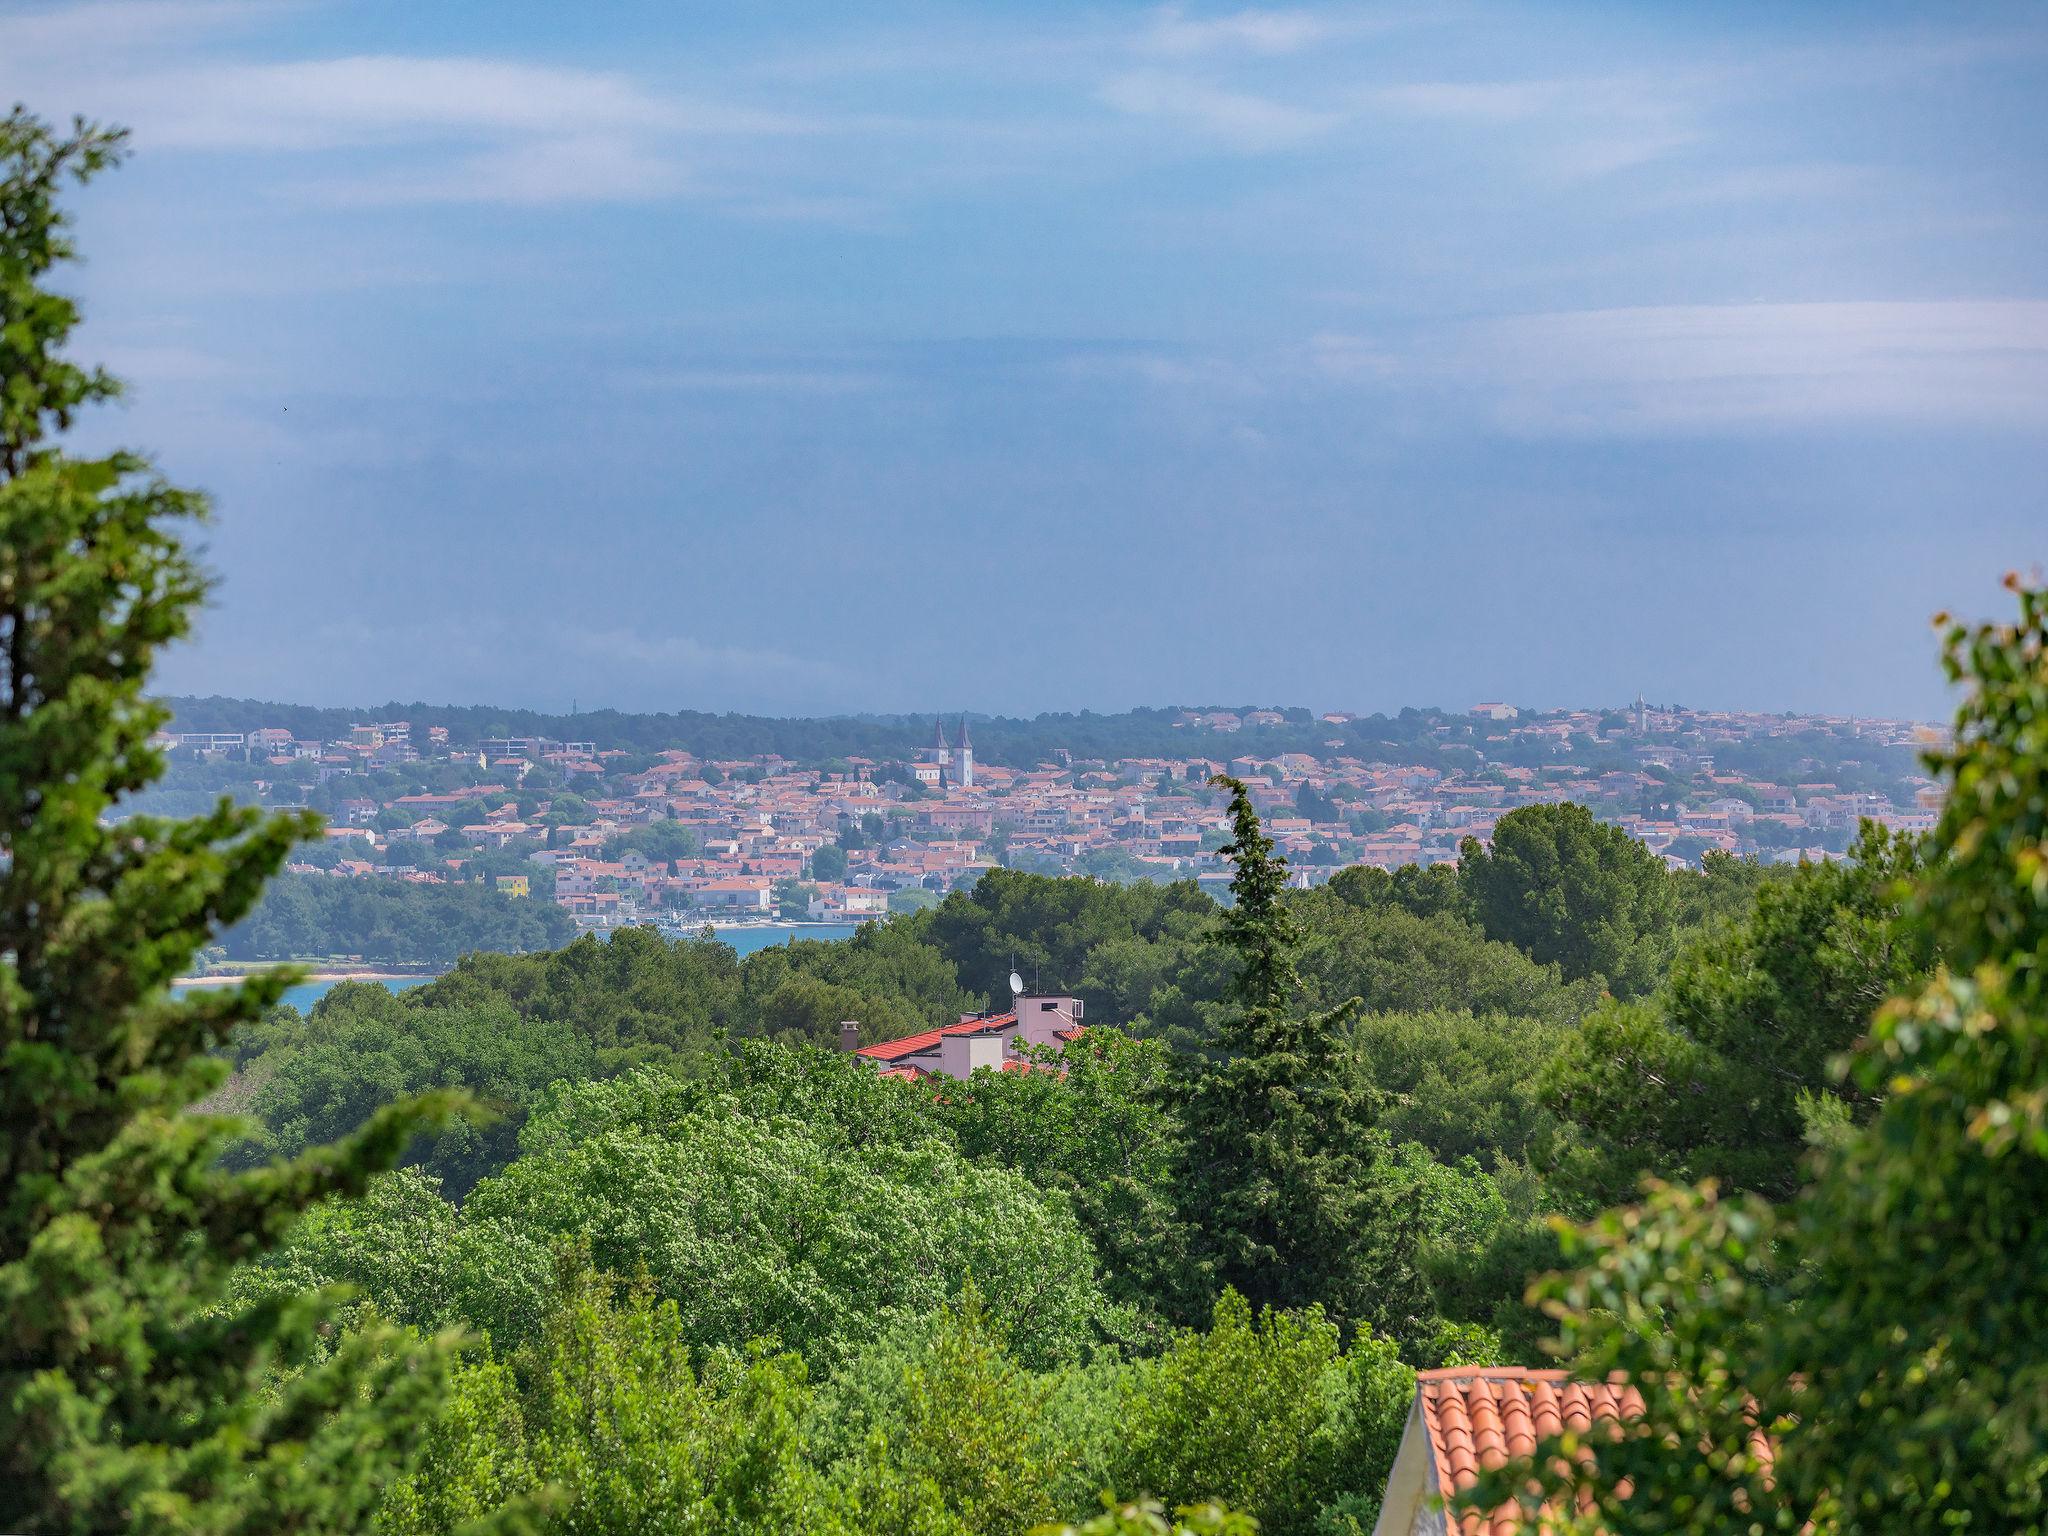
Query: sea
[[746, 940]]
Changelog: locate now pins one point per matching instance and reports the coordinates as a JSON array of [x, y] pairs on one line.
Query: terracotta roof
[[1480, 1419], [912, 1045]]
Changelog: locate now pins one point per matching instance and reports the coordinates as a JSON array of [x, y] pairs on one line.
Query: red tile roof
[[1481, 1418], [912, 1045]]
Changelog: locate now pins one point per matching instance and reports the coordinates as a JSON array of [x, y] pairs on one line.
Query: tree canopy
[[1572, 892], [127, 1401], [1884, 1327]]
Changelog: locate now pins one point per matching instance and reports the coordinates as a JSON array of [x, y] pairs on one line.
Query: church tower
[[963, 758]]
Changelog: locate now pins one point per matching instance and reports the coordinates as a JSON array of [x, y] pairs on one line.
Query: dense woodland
[[1079, 1246], [391, 922], [605, 1240]]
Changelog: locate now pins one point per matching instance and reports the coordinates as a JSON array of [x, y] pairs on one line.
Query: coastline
[[310, 976], [331, 974]]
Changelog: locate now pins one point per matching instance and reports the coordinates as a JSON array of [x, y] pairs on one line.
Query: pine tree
[[126, 1401], [1285, 1176]]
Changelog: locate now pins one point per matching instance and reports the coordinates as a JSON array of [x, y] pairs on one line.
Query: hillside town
[[678, 841]]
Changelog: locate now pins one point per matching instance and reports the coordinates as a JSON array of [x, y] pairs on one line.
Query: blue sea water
[[745, 940]]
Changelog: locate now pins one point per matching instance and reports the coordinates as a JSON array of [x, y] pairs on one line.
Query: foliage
[[633, 989], [1102, 1131], [1574, 892], [1048, 929], [769, 1235], [1396, 961], [954, 1434], [1282, 1151], [1266, 1415], [768, 1227], [318, 1078], [1885, 1327], [392, 922], [1461, 1084], [1722, 889], [470, 1463], [632, 1437], [1714, 1075], [663, 841], [1147, 1517], [126, 1402]]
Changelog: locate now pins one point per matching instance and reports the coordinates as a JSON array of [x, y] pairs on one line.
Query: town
[[678, 841]]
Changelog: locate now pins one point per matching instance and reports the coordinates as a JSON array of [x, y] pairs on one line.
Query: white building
[[977, 1041]]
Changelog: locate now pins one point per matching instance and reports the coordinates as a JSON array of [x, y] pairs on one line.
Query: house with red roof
[[976, 1041]]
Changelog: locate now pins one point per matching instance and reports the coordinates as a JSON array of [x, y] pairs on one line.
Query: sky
[[815, 358]]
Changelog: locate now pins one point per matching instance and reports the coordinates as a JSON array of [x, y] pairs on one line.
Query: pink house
[[977, 1041]]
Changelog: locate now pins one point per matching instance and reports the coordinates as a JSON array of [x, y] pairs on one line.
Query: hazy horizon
[[581, 708], [820, 363]]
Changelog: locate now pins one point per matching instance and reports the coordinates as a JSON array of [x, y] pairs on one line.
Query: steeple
[[963, 741], [938, 734]]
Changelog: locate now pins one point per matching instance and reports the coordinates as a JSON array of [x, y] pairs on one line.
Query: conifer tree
[[1285, 1162], [127, 1402]]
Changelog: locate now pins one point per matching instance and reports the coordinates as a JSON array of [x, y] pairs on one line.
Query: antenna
[[1016, 984]]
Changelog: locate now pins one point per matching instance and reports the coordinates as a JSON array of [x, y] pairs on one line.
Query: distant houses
[[745, 840]]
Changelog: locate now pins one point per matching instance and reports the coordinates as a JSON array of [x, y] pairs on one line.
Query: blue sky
[[813, 357]]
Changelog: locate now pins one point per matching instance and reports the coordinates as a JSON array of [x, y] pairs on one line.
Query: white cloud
[[472, 128], [1174, 32], [1507, 101], [1235, 118], [1570, 129], [125, 25], [1768, 183], [1674, 369], [1764, 365], [372, 99], [571, 168]]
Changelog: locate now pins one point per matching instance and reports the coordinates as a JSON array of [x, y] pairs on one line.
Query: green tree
[[1103, 1130], [662, 841], [1315, 804], [1573, 892], [1282, 1150], [634, 1438], [314, 1080], [829, 864], [1886, 1326], [127, 1402], [774, 1226], [1148, 1517], [1266, 1414], [1718, 1074], [956, 1434]]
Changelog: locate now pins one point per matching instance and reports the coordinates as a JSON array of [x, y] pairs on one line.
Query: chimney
[[849, 1035]]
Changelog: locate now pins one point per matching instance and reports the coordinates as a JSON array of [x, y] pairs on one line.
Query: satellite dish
[[1016, 984]]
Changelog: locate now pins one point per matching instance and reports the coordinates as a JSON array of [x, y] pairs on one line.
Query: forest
[[675, 1160], [608, 1238], [391, 922]]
